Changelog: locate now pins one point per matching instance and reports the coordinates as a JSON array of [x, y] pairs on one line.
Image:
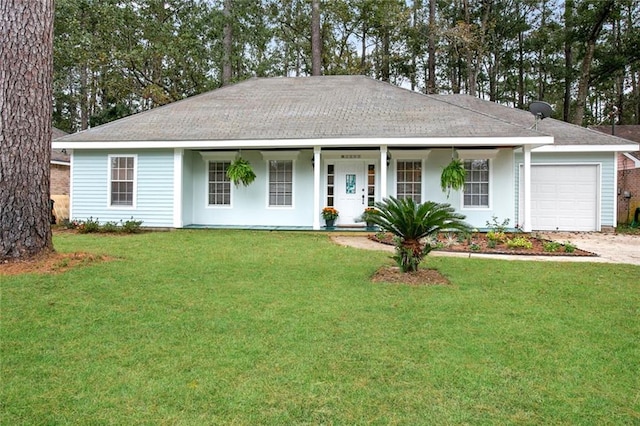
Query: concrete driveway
[[610, 248]]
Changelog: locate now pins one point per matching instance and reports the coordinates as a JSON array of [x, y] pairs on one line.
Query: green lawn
[[239, 327]]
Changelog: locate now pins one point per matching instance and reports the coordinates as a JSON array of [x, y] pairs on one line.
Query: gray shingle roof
[[305, 108], [57, 154], [331, 107], [563, 133]]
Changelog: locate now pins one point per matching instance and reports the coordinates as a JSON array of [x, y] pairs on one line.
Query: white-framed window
[[280, 183], [122, 181], [219, 184], [409, 180], [476, 183]]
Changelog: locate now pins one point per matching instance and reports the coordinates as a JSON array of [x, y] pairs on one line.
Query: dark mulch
[[478, 243], [393, 275]]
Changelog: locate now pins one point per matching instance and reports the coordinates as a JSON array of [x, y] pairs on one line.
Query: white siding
[[606, 161], [154, 195]]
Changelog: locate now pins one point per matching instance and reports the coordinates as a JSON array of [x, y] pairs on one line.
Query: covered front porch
[[349, 176]]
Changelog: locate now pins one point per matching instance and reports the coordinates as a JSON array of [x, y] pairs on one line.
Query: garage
[[564, 197]]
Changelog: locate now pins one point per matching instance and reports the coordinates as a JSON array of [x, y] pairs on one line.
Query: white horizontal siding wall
[[606, 161], [154, 194], [249, 205], [501, 184]]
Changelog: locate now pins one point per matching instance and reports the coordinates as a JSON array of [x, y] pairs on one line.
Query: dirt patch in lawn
[[51, 263], [393, 275]]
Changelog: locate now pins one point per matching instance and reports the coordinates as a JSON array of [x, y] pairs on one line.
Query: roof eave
[[309, 143], [588, 148]]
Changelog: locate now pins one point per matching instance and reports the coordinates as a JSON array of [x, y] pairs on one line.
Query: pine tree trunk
[[26, 69], [316, 41], [431, 82], [227, 44]]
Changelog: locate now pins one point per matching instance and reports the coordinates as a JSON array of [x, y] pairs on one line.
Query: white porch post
[[526, 189], [383, 172], [178, 154], [317, 166]]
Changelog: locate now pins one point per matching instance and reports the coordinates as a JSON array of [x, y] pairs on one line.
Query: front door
[[350, 187]]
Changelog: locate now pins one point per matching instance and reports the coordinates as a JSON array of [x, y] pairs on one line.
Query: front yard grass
[[239, 327]]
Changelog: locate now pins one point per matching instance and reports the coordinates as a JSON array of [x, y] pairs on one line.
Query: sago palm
[[411, 223]]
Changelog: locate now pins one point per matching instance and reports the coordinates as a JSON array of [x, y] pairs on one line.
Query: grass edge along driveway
[[241, 327]]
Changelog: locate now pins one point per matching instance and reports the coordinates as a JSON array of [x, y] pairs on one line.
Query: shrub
[[569, 248], [519, 242], [109, 227], [496, 236], [498, 227], [88, 226], [131, 226], [551, 246]]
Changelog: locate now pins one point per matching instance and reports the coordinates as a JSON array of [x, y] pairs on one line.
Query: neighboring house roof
[[59, 156], [333, 107], [564, 133], [626, 131]]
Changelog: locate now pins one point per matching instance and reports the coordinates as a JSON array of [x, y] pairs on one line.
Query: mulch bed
[[50, 263], [479, 243], [393, 275]]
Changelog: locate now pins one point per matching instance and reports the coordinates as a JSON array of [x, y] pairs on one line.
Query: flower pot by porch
[[330, 223], [370, 226]]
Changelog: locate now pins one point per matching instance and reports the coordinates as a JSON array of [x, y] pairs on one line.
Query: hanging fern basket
[[241, 172], [453, 176]]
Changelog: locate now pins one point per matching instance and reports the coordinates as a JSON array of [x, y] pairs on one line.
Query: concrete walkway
[[610, 248]]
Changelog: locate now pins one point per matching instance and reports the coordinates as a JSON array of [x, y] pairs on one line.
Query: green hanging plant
[[241, 172], [453, 176]]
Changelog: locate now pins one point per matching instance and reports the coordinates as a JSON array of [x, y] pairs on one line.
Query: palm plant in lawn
[[411, 223]]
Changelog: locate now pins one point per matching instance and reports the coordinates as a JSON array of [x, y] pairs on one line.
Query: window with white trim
[[476, 183], [219, 184], [409, 180], [280, 183], [121, 180]]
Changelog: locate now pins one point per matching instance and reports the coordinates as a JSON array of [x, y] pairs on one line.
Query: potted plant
[[453, 176], [330, 214], [240, 172], [367, 215]]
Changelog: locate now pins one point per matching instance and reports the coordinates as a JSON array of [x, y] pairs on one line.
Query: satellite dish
[[540, 109]]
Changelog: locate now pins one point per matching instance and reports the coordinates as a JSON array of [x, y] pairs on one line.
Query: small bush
[[92, 225], [551, 246], [492, 243], [496, 226], [569, 248], [109, 227], [496, 236], [474, 247], [131, 226], [519, 242], [88, 226]]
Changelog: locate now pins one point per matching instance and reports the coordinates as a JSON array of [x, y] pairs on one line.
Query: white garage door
[[564, 197]]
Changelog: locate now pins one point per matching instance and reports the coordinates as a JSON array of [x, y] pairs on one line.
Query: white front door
[[350, 188]]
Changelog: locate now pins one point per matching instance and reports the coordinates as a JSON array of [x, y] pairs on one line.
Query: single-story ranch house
[[341, 141]]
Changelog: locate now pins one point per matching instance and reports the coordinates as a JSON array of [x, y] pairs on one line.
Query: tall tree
[[227, 44], [591, 33], [26, 66], [316, 39]]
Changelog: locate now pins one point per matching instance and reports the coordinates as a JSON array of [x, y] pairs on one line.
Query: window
[[409, 180], [219, 184], [280, 183], [476, 184], [331, 175], [122, 180], [371, 185]]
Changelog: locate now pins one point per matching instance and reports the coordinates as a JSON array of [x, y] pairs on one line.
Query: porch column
[[383, 172], [178, 155], [317, 166], [526, 189]]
